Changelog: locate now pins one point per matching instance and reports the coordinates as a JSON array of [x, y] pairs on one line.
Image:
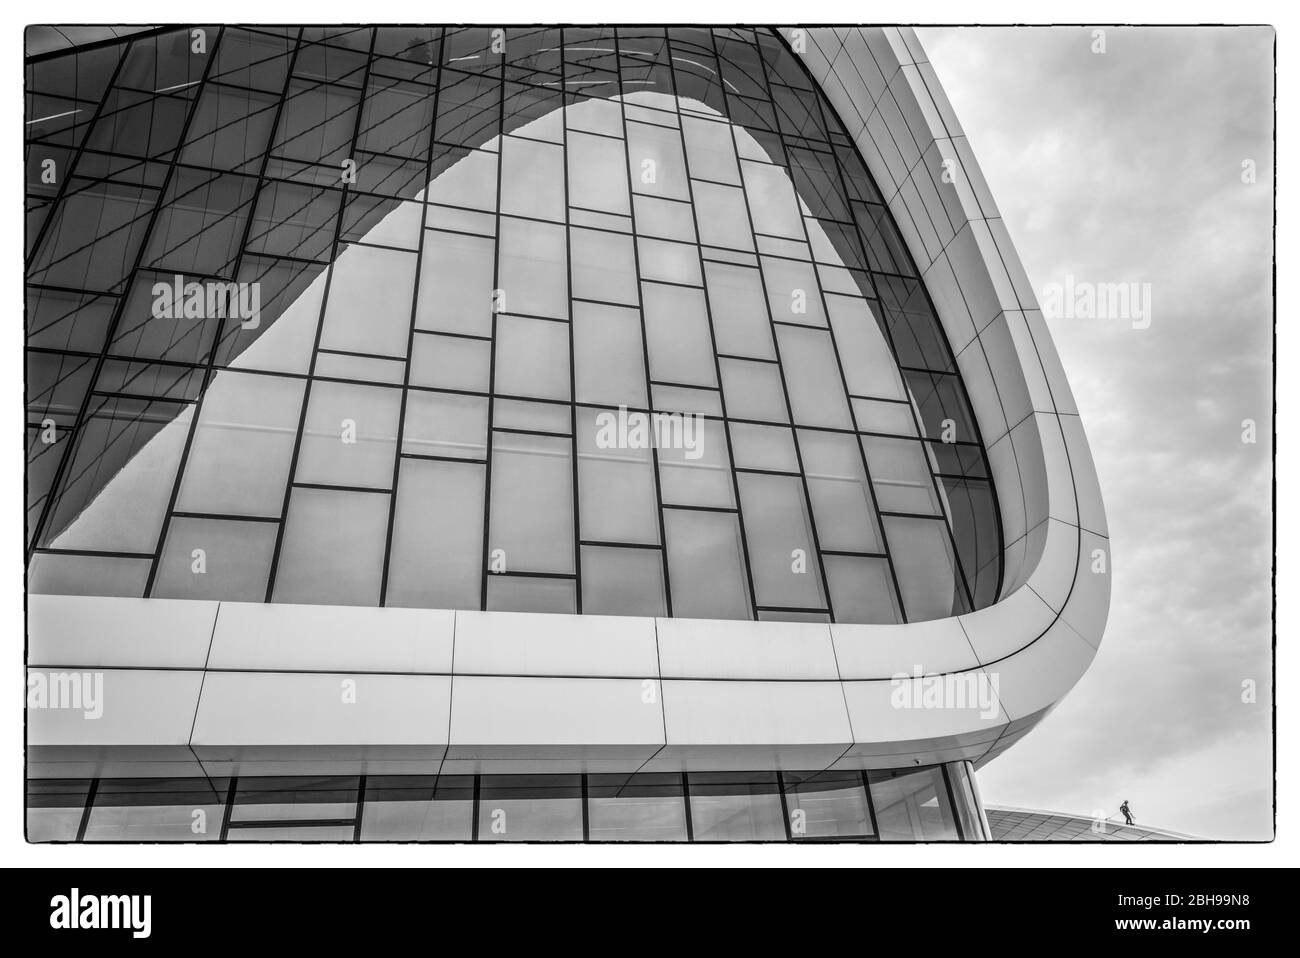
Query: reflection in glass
[[522, 808], [532, 503], [736, 807], [827, 805], [418, 809], [639, 808], [912, 805]]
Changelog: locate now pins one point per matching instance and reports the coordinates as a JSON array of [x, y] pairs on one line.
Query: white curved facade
[[231, 688]]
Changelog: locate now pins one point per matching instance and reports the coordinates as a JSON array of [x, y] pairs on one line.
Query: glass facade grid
[[933, 803], [667, 221]]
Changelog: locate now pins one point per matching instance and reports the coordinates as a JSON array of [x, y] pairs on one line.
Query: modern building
[[583, 433], [1007, 824]]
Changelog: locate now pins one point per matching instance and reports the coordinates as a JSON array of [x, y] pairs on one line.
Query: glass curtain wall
[[565, 320]]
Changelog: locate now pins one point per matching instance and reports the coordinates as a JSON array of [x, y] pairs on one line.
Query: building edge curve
[[1050, 618], [517, 692]]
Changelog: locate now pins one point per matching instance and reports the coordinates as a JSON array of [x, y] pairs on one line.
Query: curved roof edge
[[222, 684], [1048, 623]]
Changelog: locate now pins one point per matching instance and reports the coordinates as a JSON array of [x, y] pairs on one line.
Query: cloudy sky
[[1127, 166]]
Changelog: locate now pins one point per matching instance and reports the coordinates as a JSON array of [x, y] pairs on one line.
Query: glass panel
[[446, 425], [528, 416], [169, 316], [604, 266], [362, 368], [654, 155], [812, 377], [333, 549], [521, 593], [51, 574], [597, 174], [63, 320], [533, 269], [722, 216], [893, 418], [664, 218], [65, 258], [532, 358], [669, 262], [157, 810], [639, 808], [534, 111], [317, 123], [608, 355], [594, 116], [622, 581], [530, 808], [456, 284], [793, 291], [532, 504], [772, 200], [927, 575], [381, 221], [397, 118], [291, 833], [291, 295], [753, 391], [827, 805], [436, 558], [735, 807], [710, 150], [369, 307], [216, 559], [687, 399], [702, 478], [837, 486], [294, 799], [469, 107], [781, 548], [350, 435], [114, 493], [677, 327], [616, 480], [975, 531], [460, 221], [201, 223], [706, 565], [862, 590], [418, 809], [252, 60], [530, 172], [740, 319], [900, 476], [230, 129], [770, 448], [54, 808], [941, 407], [912, 805], [239, 460], [912, 326], [451, 362]]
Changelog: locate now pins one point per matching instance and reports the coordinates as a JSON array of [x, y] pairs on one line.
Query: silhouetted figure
[[1128, 816]]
